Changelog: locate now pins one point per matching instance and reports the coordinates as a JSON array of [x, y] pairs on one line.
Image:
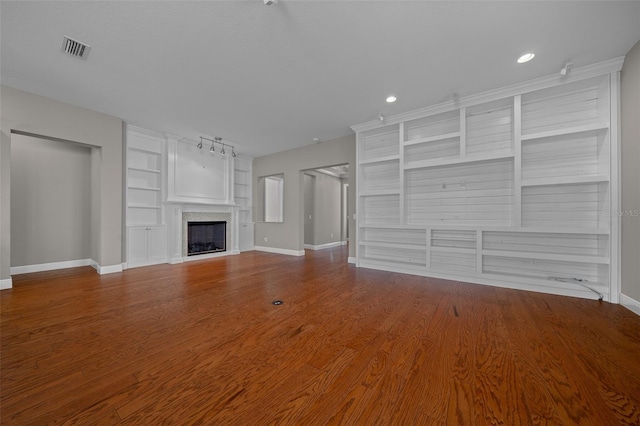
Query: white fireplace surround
[[204, 217], [180, 214]]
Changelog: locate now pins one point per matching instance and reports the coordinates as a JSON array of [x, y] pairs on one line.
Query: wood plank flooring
[[201, 343]]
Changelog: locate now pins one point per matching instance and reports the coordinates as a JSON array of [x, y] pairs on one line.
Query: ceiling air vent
[[75, 48]]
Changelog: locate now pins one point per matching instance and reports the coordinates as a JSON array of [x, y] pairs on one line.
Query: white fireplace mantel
[[175, 224]]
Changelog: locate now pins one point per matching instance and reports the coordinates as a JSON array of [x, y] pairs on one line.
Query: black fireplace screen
[[206, 237]]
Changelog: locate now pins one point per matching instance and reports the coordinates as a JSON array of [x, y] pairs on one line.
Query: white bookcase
[[243, 167], [511, 188], [146, 230]]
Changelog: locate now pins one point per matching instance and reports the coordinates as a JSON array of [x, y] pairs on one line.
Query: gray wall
[[29, 113], [290, 234], [50, 201], [309, 212], [326, 209], [630, 150]]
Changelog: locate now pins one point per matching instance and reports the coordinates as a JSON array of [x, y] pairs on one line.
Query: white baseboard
[[6, 284], [110, 269], [288, 252], [26, 269], [351, 260], [629, 303], [175, 260], [324, 246]]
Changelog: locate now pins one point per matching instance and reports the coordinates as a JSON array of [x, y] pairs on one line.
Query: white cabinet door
[[157, 243], [138, 242], [147, 245]]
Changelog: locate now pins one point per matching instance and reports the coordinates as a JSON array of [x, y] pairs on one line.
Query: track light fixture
[[217, 140]]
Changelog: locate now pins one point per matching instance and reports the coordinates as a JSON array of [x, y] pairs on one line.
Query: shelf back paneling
[[143, 178], [566, 205], [458, 263], [570, 244], [576, 104], [383, 209], [384, 143], [444, 148], [383, 176], [477, 193], [143, 160], [399, 236], [401, 256], [435, 125], [568, 155], [548, 270], [453, 238], [490, 130]]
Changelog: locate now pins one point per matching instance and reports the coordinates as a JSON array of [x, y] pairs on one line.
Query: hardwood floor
[[201, 343]]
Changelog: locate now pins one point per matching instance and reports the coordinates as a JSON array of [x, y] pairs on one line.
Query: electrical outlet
[[265, 239], [331, 235]]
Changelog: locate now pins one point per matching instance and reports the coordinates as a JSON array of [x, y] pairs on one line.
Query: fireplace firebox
[[206, 237]]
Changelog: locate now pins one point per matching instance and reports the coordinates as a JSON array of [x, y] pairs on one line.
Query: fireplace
[[206, 237]]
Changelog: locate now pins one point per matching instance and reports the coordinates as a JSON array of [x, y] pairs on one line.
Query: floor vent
[[75, 48]]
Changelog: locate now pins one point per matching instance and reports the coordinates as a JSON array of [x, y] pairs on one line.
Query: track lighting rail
[[217, 140]]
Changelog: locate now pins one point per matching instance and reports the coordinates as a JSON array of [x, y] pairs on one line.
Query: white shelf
[[565, 180], [547, 256], [144, 188], [140, 169], [378, 193], [454, 161], [544, 230], [139, 206], [394, 245], [432, 139], [375, 260], [454, 249], [381, 159], [566, 131]]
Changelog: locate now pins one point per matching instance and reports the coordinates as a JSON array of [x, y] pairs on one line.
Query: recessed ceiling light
[[526, 58], [391, 99]]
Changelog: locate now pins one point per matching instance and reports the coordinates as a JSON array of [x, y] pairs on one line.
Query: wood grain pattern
[[201, 343]]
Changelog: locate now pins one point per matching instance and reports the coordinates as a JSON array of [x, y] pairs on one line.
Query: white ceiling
[[270, 78]]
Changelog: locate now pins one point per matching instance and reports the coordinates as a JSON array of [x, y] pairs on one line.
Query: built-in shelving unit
[[511, 188], [243, 167], [146, 231]]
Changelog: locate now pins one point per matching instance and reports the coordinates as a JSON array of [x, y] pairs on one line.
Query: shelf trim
[[453, 161], [379, 193], [134, 206], [432, 139], [548, 256], [454, 249], [586, 128], [564, 180], [381, 159], [141, 169], [532, 230], [144, 188], [421, 247]]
